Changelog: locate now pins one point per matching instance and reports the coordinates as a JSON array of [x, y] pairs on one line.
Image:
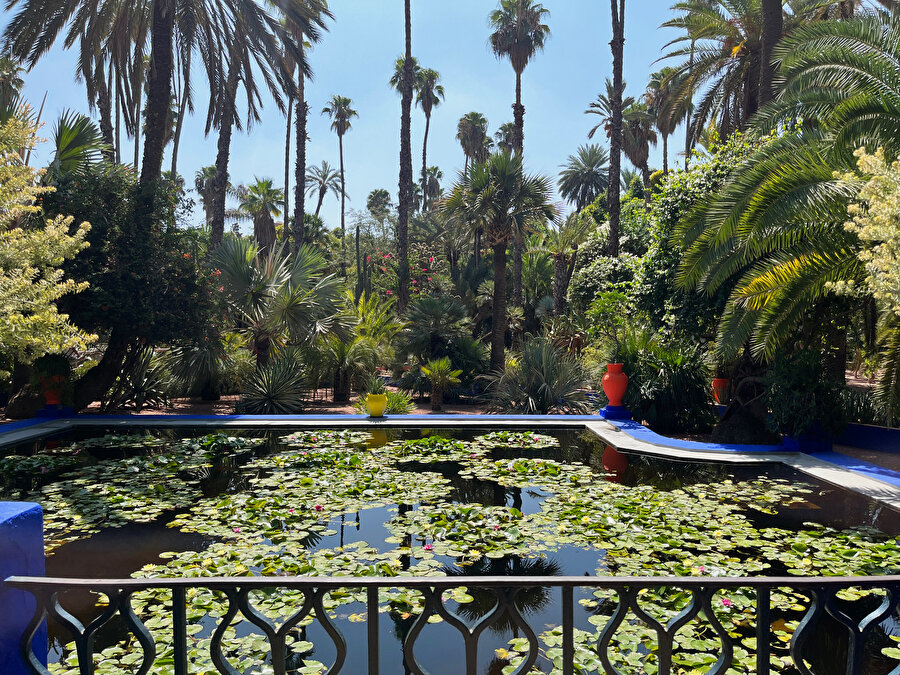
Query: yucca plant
[[543, 380], [441, 374], [275, 389]]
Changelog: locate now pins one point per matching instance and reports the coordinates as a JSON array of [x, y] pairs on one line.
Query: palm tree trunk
[[104, 105], [182, 113], [159, 90], [519, 118], [560, 272], [359, 272], [343, 202], [437, 397], [498, 309], [322, 192], [136, 117], [300, 165], [665, 139], [772, 27], [264, 233], [425, 164], [477, 246], [615, 143], [518, 239], [118, 142], [406, 174], [645, 179], [223, 152], [287, 169]]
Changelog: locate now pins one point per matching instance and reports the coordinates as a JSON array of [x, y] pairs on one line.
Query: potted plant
[[721, 382], [51, 374], [441, 375], [376, 396], [607, 314]]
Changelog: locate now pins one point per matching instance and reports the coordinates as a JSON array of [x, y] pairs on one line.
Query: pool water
[[416, 502]]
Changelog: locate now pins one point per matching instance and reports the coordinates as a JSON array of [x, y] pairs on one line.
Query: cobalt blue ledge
[[22, 554], [641, 433]]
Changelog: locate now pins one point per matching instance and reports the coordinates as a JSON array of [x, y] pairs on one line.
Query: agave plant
[[543, 380]]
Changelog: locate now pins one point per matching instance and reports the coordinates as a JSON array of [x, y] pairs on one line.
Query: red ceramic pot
[[615, 382], [720, 390], [53, 389]]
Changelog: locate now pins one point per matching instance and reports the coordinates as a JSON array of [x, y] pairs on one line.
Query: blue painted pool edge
[[867, 437], [21, 553]]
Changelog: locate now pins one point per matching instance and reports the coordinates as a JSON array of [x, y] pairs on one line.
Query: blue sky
[[355, 59]]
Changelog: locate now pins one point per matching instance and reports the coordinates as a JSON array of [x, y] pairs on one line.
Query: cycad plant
[[441, 374]]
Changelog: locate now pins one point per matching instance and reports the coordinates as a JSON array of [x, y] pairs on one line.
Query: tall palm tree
[[320, 180], [341, 112], [500, 197], [77, 143], [11, 81], [638, 135], [430, 93], [406, 187], [616, 105], [519, 32], [261, 201], [471, 132], [585, 176], [431, 189], [562, 242], [300, 34]]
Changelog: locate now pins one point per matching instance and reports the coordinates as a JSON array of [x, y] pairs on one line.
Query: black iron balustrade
[[821, 591]]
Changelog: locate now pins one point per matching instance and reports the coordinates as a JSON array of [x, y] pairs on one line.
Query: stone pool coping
[[871, 480]]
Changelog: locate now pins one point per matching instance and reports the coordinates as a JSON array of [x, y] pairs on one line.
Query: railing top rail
[[53, 583]]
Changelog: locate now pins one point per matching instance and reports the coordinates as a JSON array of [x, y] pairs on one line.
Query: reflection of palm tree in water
[[527, 600]]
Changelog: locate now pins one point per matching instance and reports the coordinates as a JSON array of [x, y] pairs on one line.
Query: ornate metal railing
[[820, 591]]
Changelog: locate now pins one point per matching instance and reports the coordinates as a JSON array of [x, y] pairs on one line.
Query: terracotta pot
[[720, 389], [376, 404], [615, 383]]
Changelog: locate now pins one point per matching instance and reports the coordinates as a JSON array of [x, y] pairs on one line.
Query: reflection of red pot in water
[[53, 389], [614, 382], [615, 462]]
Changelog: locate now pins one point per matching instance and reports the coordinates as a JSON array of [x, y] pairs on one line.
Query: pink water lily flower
[[428, 547], [237, 529], [318, 507], [726, 602], [290, 510]]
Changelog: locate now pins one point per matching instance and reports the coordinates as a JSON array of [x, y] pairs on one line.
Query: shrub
[[275, 389], [441, 374], [145, 384], [543, 380], [801, 394]]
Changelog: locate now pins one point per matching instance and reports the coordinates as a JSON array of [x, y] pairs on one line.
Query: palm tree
[[441, 374], [261, 201], [430, 93], [616, 106], [519, 32], [637, 137], [666, 110], [77, 143], [11, 82], [770, 34], [431, 189], [501, 198], [471, 132], [341, 113], [585, 176], [404, 208], [562, 243], [319, 181], [203, 184], [603, 107], [505, 135]]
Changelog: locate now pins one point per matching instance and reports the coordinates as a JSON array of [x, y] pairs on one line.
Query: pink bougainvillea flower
[[726, 602], [428, 547], [424, 269], [389, 293], [429, 278], [415, 282], [431, 260], [367, 258], [318, 507]]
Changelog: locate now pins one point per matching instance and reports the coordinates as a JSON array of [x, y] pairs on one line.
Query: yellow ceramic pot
[[376, 404]]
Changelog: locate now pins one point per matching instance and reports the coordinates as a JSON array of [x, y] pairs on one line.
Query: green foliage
[[373, 385], [217, 365], [668, 384], [608, 316], [543, 380], [432, 326], [145, 383], [800, 393], [440, 372], [598, 276], [398, 403], [275, 389], [166, 301], [32, 275], [683, 312]]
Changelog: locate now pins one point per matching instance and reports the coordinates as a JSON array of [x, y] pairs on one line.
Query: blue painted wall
[[21, 553]]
